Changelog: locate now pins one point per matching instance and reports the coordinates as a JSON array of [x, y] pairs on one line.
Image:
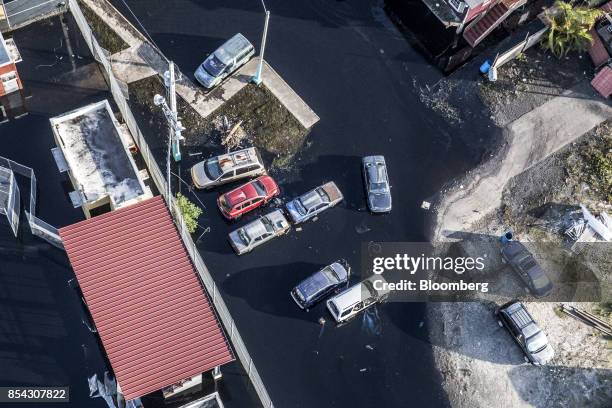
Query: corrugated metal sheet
[[603, 82], [152, 314], [597, 50]]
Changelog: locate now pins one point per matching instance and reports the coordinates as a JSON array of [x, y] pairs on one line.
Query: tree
[[569, 28], [190, 212]]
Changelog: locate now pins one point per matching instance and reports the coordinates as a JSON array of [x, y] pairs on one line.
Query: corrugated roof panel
[[151, 311], [603, 82]]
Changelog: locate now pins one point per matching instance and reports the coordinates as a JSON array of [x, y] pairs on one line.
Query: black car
[[525, 265], [525, 331], [321, 284]]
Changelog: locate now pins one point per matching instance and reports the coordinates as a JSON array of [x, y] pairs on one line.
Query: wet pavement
[[361, 77], [43, 338]]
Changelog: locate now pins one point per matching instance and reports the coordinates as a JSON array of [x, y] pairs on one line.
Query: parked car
[[247, 197], [525, 265], [313, 202], [376, 182], [515, 317], [226, 59], [228, 167], [322, 283], [255, 233], [357, 298]]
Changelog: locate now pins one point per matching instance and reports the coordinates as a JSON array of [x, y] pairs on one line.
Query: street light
[[256, 79]]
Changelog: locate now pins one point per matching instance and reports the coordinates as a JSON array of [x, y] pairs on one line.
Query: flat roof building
[[97, 158]]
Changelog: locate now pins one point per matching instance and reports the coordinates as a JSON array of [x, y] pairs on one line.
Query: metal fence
[[117, 89], [39, 227]]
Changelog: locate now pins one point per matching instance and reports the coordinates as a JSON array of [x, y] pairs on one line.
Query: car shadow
[[266, 289]]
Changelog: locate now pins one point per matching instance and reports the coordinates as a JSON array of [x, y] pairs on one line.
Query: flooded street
[[362, 78]]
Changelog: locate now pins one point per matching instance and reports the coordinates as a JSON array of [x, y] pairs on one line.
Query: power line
[[144, 29]]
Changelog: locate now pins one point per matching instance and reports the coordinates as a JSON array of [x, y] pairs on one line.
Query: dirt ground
[[264, 122], [480, 363]]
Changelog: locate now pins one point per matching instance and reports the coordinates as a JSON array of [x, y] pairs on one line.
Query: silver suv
[[226, 59], [515, 317], [228, 167]]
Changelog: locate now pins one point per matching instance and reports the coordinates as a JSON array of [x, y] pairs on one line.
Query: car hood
[[236, 242], [199, 175], [293, 212], [380, 201], [204, 77], [544, 356]]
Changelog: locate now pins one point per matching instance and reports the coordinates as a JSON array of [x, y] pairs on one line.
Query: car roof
[[255, 228], [348, 297], [236, 159], [241, 194], [377, 171], [231, 48], [332, 191], [311, 198]]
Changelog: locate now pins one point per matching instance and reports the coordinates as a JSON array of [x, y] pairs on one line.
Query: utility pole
[[175, 127], [257, 77]]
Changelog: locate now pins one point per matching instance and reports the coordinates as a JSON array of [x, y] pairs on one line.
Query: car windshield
[[267, 224], [224, 203], [378, 187], [212, 169], [540, 281], [213, 66], [537, 343], [330, 273], [300, 207], [244, 236], [370, 287], [261, 189]]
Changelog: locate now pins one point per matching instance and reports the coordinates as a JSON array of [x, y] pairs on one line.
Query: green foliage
[[190, 212], [569, 28]]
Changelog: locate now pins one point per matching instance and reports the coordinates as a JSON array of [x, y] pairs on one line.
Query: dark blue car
[[321, 284]]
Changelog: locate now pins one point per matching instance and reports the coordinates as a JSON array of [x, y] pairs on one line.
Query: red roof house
[[151, 311]]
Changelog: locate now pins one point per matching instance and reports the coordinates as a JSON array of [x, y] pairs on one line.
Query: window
[[243, 170], [346, 312], [227, 175]]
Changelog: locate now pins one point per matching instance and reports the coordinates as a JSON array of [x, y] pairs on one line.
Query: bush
[[569, 28], [190, 212]]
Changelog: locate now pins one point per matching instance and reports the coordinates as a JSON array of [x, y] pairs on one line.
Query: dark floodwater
[[361, 77]]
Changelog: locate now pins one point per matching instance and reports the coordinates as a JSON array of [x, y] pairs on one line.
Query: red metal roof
[[603, 82], [152, 314], [597, 50]]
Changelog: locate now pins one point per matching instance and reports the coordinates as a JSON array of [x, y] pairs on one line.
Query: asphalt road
[[361, 77]]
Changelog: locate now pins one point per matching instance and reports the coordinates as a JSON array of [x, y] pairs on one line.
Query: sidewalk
[[531, 138], [141, 60]]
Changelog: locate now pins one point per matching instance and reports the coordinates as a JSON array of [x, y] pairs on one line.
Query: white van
[[357, 298], [227, 167]]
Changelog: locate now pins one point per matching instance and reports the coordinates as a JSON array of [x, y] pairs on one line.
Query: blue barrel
[[484, 68], [507, 237]]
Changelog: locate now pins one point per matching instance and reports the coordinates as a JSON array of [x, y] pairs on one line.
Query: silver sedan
[[377, 184], [255, 233]]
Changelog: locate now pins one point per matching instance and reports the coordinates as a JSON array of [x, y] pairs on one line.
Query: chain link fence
[[117, 89]]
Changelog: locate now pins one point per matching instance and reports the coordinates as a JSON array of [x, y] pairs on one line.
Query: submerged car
[[255, 233], [358, 298], [529, 270], [234, 53], [515, 317], [322, 283], [313, 202], [376, 184], [226, 168], [247, 197]]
